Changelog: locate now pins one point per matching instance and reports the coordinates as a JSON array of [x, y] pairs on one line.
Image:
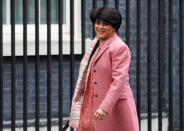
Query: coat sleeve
[[120, 57]]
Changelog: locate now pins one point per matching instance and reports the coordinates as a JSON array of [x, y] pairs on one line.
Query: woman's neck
[[100, 42]]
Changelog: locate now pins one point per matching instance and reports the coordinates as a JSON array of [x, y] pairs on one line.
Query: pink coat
[[112, 92]]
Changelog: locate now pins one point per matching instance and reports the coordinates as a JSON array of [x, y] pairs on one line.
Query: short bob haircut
[[107, 14]]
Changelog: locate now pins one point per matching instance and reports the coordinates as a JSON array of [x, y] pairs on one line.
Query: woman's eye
[[105, 24], [98, 22]]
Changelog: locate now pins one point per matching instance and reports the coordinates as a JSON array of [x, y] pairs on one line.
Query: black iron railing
[[170, 65], [25, 65], [149, 65], [37, 70], [13, 84], [60, 4], [1, 64], [181, 63], [138, 73], [117, 3]]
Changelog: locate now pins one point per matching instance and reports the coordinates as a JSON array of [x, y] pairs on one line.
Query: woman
[[103, 99]]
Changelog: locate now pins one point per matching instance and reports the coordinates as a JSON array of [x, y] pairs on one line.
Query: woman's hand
[[99, 114]]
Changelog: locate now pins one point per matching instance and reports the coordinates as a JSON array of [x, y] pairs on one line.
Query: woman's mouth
[[101, 32]]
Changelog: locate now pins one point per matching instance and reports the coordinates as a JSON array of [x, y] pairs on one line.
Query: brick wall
[[31, 86]]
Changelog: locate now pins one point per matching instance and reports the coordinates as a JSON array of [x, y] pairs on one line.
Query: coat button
[[96, 95], [94, 70], [95, 82]]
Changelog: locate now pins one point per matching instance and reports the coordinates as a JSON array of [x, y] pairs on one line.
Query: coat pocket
[[123, 96]]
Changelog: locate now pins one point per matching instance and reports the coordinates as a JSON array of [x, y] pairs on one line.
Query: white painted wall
[[144, 124], [43, 35]]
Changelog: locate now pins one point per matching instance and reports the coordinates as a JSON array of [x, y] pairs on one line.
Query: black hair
[[107, 14]]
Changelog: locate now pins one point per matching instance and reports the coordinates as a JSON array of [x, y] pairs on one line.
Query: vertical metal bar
[[60, 7], [83, 25], [149, 65], [94, 7], [181, 34], [94, 4], [117, 8], [138, 61], [170, 65], [71, 49], [160, 60], [1, 65], [48, 65], [13, 95], [117, 4], [37, 69], [25, 65], [105, 2], [128, 21]]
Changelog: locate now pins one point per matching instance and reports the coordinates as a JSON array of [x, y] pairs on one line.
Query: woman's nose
[[101, 25]]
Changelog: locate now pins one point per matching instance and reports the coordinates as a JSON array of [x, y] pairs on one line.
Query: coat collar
[[103, 47]]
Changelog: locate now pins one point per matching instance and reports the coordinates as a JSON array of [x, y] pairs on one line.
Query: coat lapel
[[101, 51]]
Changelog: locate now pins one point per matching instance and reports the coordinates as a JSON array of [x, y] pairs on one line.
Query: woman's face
[[103, 30]]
